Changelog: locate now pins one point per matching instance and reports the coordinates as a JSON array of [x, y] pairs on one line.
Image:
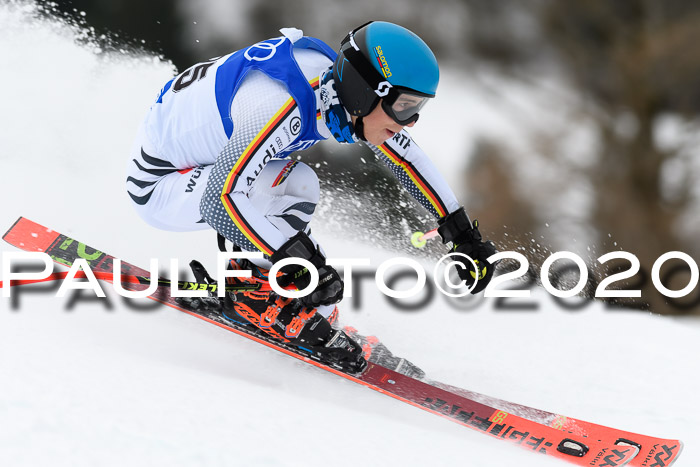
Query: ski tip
[[29, 236], [664, 452], [669, 454], [680, 450], [19, 219]]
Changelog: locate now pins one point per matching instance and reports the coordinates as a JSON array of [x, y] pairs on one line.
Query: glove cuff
[[457, 228], [300, 246]]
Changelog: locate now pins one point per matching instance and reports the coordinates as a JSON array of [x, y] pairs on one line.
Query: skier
[[214, 151]]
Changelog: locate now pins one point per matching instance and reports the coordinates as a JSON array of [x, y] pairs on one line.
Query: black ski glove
[[466, 238], [330, 286]]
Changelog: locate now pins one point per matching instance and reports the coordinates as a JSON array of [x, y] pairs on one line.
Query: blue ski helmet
[[381, 60]]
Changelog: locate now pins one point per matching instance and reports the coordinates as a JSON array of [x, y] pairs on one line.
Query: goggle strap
[[352, 33]]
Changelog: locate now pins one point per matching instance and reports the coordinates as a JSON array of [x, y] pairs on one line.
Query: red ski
[[575, 441], [653, 452]]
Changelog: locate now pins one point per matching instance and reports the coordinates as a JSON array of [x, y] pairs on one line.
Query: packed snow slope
[[106, 383]]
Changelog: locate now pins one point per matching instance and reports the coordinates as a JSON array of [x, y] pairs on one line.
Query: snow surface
[[100, 383]]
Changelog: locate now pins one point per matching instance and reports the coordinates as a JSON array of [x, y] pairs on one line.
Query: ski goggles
[[403, 106]]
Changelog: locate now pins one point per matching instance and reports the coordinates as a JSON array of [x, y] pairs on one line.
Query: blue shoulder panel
[[275, 58], [318, 45]]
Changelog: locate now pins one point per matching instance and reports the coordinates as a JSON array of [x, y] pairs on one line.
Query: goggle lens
[[404, 110]]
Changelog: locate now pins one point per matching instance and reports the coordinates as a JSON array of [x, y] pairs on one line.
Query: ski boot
[[247, 289], [283, 320], [287, 321]]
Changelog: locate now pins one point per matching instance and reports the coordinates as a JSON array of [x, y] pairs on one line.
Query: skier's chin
[[382, 137]]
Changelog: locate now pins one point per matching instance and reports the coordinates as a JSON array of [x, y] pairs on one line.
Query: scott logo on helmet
[[383, 88], [382, 61]]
